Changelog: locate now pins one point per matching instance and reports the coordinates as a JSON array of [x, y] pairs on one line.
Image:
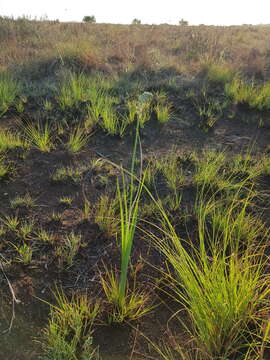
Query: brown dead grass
[[121, 48]]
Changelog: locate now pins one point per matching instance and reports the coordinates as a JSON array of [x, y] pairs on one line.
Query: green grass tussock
[[69, 332], [39, 136], [9, 140], [256, 97], [221, 283], [9, 90], [219, 74]]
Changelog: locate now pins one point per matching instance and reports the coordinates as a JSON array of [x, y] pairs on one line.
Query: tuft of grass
[[47, 104], [162, 108], [86, 210], [4, 169], [106, 215], [240, 91], [45, 236], [262, 99], [109, 118], [150, 171], [173, 173], [220, 282], [209, 168], [65, 174], [69, 332], [25, 253], [26, 229], [3, 230], [22, 201], [208, 108], [66, 200], [132, 106], [11, 222], [9, 90], [73, 90], [19, 106], [9, 141], [56, 216], [133, 306], [144, 112], [70, 247], [219, 74], [163, 112], [144, 108], [247, 93], [98, 100], [39, 136], [77, 139]]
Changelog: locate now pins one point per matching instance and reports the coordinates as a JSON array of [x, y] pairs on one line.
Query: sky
[[208, 12]]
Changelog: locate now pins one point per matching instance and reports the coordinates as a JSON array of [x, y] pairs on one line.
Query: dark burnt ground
[[32, 174]]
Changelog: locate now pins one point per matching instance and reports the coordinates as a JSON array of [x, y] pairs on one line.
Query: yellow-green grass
[[219, 279], [9, 89], [69, 332]]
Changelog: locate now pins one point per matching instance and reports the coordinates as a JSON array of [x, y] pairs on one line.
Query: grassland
[[134, 191]]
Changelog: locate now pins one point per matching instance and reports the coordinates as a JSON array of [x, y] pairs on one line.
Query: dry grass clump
[[129, 47]]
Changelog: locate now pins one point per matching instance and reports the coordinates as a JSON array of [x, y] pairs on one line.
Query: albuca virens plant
[[127, 303]]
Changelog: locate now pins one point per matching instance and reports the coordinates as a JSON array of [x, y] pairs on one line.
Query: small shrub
[[183, 22], [89, 19], [136, 22]]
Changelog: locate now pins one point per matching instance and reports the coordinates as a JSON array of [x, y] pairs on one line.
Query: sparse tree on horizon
[[136, 22], [183, 22], [89, 19]]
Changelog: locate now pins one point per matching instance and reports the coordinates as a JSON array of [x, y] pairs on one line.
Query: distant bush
[[183, 22], [89, 19], [136, 22]]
